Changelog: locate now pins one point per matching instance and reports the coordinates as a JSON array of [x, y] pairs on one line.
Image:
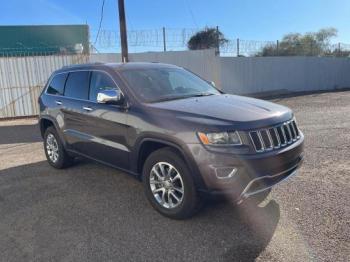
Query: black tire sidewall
[[189, 203]]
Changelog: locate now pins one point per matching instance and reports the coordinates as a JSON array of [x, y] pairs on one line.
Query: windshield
[[161, 84]]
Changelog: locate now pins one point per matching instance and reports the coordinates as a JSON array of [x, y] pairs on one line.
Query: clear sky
[[245, 19]]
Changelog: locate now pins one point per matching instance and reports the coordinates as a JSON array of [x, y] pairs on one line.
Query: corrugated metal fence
[[256, 75], [22, 79]]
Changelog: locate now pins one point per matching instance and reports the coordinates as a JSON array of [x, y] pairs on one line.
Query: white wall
[[250, 75], [22, 78], [106, 58], [247, 75], [201, 62]]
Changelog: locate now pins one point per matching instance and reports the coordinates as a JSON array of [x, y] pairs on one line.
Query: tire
[[55, 153], [168, 159]]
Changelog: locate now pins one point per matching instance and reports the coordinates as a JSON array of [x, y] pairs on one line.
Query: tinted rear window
[[77, 85], [56, 86]]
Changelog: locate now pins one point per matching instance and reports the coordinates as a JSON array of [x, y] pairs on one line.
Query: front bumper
[[255, 173]]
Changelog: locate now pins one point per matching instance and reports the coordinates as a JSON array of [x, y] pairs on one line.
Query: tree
[[207, 38], [295, 44]]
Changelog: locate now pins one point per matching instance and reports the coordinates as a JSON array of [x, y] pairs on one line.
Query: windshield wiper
[[182, 97], [202, 94]]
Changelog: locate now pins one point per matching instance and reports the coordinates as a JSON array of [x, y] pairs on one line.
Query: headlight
[[221, 138]]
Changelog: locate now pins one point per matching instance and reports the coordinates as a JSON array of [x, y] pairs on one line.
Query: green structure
[[43, 39]]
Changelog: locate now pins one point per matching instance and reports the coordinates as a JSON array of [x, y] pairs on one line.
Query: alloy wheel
[[166, 185], [52, 148]]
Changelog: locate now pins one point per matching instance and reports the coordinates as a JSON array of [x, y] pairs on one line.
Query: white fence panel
[[249, 75], [202, 62], [106, 58], [22, 79]]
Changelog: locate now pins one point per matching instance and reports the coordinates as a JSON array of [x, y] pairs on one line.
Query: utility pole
[[164, 40], [123, 36]]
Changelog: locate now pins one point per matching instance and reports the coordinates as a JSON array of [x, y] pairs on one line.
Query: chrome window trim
[[80, 70]]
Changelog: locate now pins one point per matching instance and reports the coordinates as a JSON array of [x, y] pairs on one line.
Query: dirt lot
[[94, 213]]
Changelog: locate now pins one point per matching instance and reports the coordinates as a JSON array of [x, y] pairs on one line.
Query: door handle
[[86, 108], [58, 102]]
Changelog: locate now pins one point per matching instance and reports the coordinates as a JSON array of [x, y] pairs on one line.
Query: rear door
[[76, 92]]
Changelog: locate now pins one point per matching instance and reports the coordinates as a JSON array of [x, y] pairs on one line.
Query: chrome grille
[[274, 137]]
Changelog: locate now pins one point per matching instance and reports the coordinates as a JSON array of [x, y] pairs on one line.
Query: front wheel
[[169, 185]]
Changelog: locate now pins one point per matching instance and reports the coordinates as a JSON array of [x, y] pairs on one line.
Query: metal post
[[164, 40], [123, 35], [237, 47], [339, 52], [311, 48], [217, 41], [277, 47]]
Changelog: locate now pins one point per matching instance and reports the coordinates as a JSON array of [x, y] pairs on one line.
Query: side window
[[100, 81], [56, 86], [77, 85]]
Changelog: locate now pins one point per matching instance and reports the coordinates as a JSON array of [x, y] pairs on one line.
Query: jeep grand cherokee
[[178, 133]]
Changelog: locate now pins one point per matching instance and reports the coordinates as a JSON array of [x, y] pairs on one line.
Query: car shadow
[[19, 134], [90, 212]]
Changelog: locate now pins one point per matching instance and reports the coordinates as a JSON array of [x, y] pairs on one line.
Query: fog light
[[225, 172]]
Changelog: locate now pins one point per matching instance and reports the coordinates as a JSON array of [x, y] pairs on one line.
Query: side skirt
[[136, 175]]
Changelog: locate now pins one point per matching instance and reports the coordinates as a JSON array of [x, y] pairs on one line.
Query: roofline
[[115, 65]]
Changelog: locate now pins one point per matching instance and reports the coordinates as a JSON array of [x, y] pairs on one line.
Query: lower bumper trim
[[250, 193], [258, 184], [263, 183]]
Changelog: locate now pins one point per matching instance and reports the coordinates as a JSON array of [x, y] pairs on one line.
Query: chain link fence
[[175, 39]]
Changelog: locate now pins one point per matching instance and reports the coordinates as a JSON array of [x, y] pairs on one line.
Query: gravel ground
[[94, 213]]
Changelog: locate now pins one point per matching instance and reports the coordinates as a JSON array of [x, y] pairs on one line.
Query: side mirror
[[212, 83], [110, 96]]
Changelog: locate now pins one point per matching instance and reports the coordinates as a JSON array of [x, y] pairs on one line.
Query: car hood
[[226, 108]]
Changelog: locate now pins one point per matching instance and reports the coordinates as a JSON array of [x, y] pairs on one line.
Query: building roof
[[36, 39]]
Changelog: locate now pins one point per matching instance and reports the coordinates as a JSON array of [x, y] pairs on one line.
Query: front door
[[97, 130]]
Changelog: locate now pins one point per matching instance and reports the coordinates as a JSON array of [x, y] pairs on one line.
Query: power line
[[191, 13], [101, 18]]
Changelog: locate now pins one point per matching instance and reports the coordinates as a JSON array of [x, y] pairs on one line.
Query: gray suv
[[176, 132]]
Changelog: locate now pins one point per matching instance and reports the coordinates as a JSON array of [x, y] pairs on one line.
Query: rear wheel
[[169, 185], [55, 153]]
